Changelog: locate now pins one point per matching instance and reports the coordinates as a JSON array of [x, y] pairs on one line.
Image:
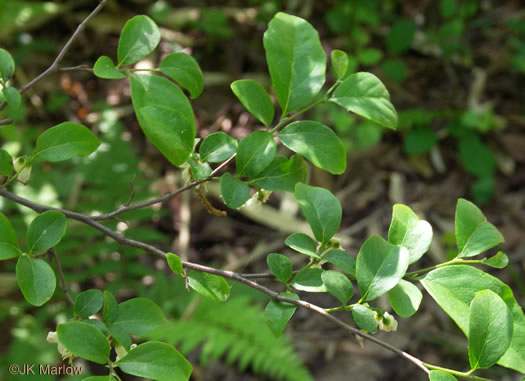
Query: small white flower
[[53, 338]]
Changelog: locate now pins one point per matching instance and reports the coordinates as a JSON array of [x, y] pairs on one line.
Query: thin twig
[[76, 68], [63, 282]]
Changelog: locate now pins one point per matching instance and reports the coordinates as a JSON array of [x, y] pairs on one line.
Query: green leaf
[[255, 153], [338, 285], [138, 316], [437, 375], [365, 95], [88, 303], [277, 314], [105, 68], [395, 69], [6, 163], [199, 170], [454, 287], [280, 266], [253, 96], [157, 361], [490, 329], [139, 37], [321, 209], [165, 116], [184, 70], [498, 261], [36, 280], [120, 336], [296, 60], [364, 317], [7, 65], [64, 141], [474, 234], [379, 267], [174, 263], [282, 174], [13, 99], [309, 280], [234, 192], [9, 247], [448, 8], [476, 157], [212, 286], [370, 56], [84, 340], [419, 140], [342, 260], [302, 243], [407, 230], [339, 60], [217, 147], [46, 231], [405, 298], [401, 35], [317, 143], [110, 311]]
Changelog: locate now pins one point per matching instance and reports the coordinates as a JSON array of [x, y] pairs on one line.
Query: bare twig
[[63, 282], [76, 68]]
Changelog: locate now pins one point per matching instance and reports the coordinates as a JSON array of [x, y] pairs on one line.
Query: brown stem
[[63, 282]]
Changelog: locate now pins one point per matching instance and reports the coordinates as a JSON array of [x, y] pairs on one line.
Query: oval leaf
[[6, 163], [110, 311], [364, 317], [490, 329], [139, 37], [174, 263], [321, 209], [280, 266], [138, 316], [255, 153], [277, 314], [339, 61], [156, 360], [405, 298], [437, 375], [338, 285], [88, 303], [217, 147], [46, 231], [342, 260], [105, 68], [309, 280], [36, 280], [365, 95], [498, 261], [303, 244], [9, 247], [7, 65], [379, 267], [253, 96], [282, 174], [13, 99], [84, 340], [184, 70], [317, 143], [64, 141], [234, 192], [296, 60], [212, 286], [199, 171]]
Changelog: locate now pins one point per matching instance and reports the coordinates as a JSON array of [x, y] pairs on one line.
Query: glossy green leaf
[[339, 60], [9, 247], [321, 209], [119, 335], [217, 147], [317, 143], [380, 266], [88, 303], [200, 171], [364, 317], [6, 163], [474, 234], [7, 65], [338, 285], [309, 280], [110, 311], [84, 340], [184, 70], [165, 116], [36, 280], [255, 153], [46, 231], [174, 263], [454, 287], [490, 329], [280, 266], [406, 229], [212, 286], [296, 60], [105, 68], [253, 96], [139, 37], [437, 375], [302, 243], [365, 95], [138, 316], [277, 314], [405, 298], [64, 141], [13, 99], [97, 324], [282, 174], [498, 261], [342, 260], [157, 361], [234, 192]]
